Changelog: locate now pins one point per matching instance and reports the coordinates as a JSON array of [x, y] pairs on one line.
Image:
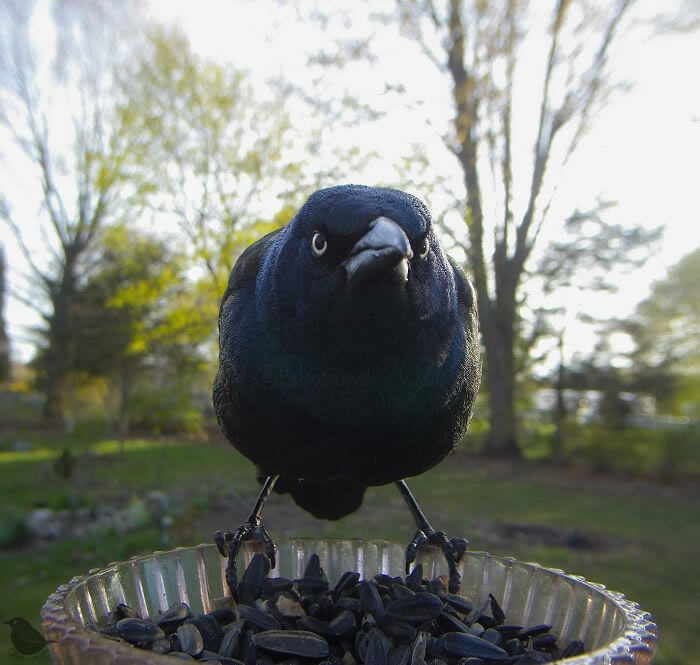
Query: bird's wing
[[466, 297], [246, 267]]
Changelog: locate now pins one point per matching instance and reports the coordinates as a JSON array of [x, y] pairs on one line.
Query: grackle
[[348, 358]]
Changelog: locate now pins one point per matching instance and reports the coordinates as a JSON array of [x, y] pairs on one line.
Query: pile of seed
[[382, 621]]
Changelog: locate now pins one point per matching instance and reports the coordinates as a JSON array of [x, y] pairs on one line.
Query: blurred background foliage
[[147, 168]]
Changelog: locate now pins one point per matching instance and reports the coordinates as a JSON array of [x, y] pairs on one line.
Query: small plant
[[14, 530]]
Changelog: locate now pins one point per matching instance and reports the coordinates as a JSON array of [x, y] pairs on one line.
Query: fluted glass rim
[[635, 644]]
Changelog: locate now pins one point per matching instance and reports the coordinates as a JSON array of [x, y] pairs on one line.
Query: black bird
[[348, 358], [27, 639]]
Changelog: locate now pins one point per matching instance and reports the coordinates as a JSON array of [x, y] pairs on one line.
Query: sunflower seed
[[415, 609], [138, 630], [292, 643], [191, 641]]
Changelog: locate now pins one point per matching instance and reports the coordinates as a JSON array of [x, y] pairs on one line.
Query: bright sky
[[644, 151]]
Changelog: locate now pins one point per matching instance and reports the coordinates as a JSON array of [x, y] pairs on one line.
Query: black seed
[[161, 646], [313, 568], [191, 641], [574, 648], [316, 626], [377, 649], [109, 630], [258, 619], [463, 645], [437, 587], [232, 637], [224, 615], [208, 655], [415, 609], [514, 646], [460, 603], [493, 636], [311, 585], [251, 583], [545, 642], [343, 624], [508, 632], [173, 617], [350, 604], [228, 661], [212, 632], [451, 624], [399, 655], [477, 612], [399, 630], [292, 643], [174, 642], [138, 630], [414, 579], [401, 591], [498, 615], [532, 658], [371, 602], [418, 648], [125, 612], [472, 660], [346, 581], [273, 585], [533, 631]]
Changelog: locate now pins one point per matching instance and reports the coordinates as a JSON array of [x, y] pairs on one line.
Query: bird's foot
[[452, 548], [229, 544]]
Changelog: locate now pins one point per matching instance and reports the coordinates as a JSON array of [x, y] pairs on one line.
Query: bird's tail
[[328, 500]]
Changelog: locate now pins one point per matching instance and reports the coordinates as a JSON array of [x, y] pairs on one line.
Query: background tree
[[665, 329], [62, 118], [4, 341], [212, 151], [520, 85], [135, 314], [590, 257]]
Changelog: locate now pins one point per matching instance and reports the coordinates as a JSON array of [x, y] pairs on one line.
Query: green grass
[[650, 536]]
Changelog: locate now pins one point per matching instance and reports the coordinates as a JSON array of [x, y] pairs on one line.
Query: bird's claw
[[229, 544], [452, 548]]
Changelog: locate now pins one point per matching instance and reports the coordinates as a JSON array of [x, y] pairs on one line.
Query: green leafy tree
[[666, 331], [212, 152], [135, 314]]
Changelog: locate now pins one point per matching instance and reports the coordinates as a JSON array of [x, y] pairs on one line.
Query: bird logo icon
[[26, 639]]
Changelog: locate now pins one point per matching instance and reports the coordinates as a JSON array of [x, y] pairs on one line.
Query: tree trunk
[[60, 354], [500, 371], [559, 408]]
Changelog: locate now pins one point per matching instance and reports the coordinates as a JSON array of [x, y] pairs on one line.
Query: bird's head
[[15, 621], [362, 259]]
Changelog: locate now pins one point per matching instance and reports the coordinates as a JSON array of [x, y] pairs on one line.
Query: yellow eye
[[319, 244], [423, 248]]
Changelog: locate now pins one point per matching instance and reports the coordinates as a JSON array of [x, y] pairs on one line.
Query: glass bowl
[[614, 630]]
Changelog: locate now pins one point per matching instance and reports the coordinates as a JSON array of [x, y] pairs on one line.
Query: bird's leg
[[229, 542], [452, 548]]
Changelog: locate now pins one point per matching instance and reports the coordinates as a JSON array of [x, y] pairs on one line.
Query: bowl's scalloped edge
[[636, 646]]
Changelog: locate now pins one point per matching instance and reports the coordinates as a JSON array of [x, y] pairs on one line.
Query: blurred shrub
[[680, 452], [14, 530], [165, 412]]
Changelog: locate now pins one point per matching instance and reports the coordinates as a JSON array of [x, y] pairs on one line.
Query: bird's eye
[[423, 248], [319, 244]]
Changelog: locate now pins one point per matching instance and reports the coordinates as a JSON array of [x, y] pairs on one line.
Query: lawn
[[639, 538]]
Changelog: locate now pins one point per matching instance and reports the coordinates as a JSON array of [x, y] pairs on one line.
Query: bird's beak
[[385, 248]]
